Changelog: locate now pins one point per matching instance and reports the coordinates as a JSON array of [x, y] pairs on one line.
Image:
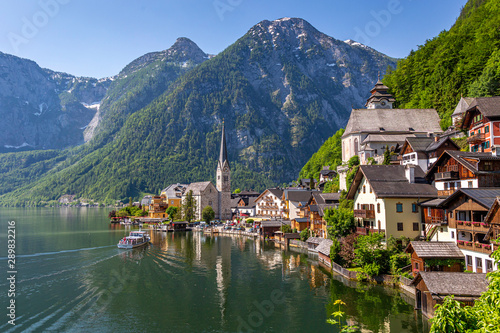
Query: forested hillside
[[464, 60]]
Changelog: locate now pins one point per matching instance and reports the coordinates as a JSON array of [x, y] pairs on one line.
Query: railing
[[345, 272], [405, 280], [476, 138], [476, 247], [366, 231], [448, 175], [445, 193], [364, 213], [473, 226]]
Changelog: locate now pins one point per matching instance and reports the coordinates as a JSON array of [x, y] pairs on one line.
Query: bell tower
[[380, 97], [224, 179]]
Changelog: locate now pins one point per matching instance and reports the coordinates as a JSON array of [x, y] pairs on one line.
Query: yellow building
[[386, 199], [158, 207], [173, 194]]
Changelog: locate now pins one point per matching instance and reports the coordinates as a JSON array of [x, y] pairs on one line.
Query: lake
[[71, 277]]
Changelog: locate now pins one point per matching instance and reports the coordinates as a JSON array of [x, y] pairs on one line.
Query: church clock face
[[382, 103], [226, 169]]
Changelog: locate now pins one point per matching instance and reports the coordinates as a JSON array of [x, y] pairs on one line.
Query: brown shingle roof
[[435, 249], [393, 120], [453, 283], [324, 247]]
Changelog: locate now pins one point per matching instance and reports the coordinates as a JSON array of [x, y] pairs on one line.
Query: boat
[[135, 239]]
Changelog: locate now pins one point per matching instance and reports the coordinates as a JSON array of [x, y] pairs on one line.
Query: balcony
[[476, 247], [366, 231], [448, 175], [473, 226], [476, 138], [445, 193], [364, 213]]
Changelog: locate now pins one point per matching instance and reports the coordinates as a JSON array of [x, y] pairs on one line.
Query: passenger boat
[[135, 239]]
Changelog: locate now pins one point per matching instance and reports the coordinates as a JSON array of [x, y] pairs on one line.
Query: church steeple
[[380, 98], [223, 168]]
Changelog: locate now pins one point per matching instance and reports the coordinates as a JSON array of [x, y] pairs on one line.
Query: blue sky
[[99, 38]]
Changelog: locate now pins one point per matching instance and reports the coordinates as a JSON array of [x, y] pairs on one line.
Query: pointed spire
[[223, 148]]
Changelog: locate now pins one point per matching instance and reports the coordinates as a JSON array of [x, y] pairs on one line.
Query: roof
[[462, 105], [174, 190], [485, 196], [399, 138], [276, 191], [463, 157], [324, 247], [442, 140], [223, 149], [326, 171], [393, 120], [419, 144], [453, 283], [197, 188], [389, 181], [301, 219], [271, 224], [432, 203], [314, 240], [435, 250], [297, 195]]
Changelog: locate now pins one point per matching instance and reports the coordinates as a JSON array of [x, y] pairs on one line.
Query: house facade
[[467, 209], [270, 204], [482, 122], [173, 194], [424, 151], [426, 257], [386, 199]]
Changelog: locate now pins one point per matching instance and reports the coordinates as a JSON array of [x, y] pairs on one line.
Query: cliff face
[[42, 109]]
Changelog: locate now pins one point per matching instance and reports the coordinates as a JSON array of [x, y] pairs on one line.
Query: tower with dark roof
[[224, 179], [380, 98]]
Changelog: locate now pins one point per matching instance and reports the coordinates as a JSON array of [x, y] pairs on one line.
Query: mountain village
[[445, 201]]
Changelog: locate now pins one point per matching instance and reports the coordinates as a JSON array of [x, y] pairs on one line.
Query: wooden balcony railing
[[366, 231], [448, 175], [473, 226], [445, 193], [476, 247], [364, 213], [479, 137]]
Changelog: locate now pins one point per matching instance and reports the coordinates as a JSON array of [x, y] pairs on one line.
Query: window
[[471, 133], [210, 203], [451, 214], [429, 211], [400, 226], [469, 184], [364, 189], [378, 208], [414, 208], [479, 131], [446, 186], [489, 265], [487, 129], [171, 202], [453, 235], [459, 185], [415, 226], [487, 144], [370, 189], [469, 260], [488, 166], [479, 263], [358, 206], [399, 207], [416, 265]]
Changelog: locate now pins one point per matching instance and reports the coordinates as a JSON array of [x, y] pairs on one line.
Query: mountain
[[464, 60], [43, 109], [282, 90], [140, 82]]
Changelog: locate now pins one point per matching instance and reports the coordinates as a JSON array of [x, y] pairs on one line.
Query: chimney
[[410, 173]]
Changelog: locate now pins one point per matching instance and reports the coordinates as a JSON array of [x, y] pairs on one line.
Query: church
[[219, 196], [369, 131]]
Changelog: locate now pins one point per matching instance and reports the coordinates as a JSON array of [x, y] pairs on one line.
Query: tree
[[208, 214], [342, 221], [189, 207], [371, 254], [172, 211], [112, 214], [286, 228], [387, 156], [304, 234], [130, 201], [237, 191]]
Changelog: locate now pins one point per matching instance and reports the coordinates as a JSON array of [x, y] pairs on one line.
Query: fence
[[345, 272], [297, 243]]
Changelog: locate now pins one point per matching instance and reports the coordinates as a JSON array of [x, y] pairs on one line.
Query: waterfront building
[[468, 226], [425, 257], [386, 199], [432, 287], [269, 204], [173, 194]]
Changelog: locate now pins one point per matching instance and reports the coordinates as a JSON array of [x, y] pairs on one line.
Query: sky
[[98, 38]]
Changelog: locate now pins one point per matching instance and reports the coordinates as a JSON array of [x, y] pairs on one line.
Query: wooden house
[[313, 243], [467, 209], [423, 151], [435, 221], [269, 228], [386, 199], [432, 287], [493, 219], [324, 252], [435, 256], [482, 121], [458, 169]]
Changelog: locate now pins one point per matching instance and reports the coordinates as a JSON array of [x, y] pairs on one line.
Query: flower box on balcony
[[476, 224], [460, 222], [487, 246], [468, 243], [460, 242], [477, 244], [484, 224], [467, 223]]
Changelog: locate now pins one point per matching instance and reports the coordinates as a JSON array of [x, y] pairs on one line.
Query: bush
[[335, 252], [347, 249], [341, 220], [304, 234], [286, 228], [250, 221], [398, 261], [372, 269]]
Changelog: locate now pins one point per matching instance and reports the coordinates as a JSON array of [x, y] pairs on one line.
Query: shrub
[[304, 234]]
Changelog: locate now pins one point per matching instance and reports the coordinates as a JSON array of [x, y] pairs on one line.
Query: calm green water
[[71, 277]]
